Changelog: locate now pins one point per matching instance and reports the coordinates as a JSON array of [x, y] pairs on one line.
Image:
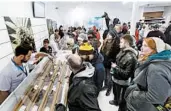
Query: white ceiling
[[155, 4], [102, 4], [127, 4]]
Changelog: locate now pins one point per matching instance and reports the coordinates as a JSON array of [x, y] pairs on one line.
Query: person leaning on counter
[[15, 71]]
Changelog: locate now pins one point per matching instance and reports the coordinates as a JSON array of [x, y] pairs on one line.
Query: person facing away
[[156, 33], [54, 41], [15, 72], [82, 94], [152, 77], [109, 51], [46, 48], [168, 34]]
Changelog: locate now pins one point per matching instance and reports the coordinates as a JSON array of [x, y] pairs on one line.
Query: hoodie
[[88, 72], [82, 93]]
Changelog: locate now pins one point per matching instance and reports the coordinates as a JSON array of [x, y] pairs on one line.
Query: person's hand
[[113, 65]]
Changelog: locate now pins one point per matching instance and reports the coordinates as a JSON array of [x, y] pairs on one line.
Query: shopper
[[168, 34], [125, 29], [46, 48], [156, 33], [82, 94], [88, 54], [123, 70], [152, 77], [81, 38], [54, 41], [93, 39], [109, 51], [118, 29], [61, 31]]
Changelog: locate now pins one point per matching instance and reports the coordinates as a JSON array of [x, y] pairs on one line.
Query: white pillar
[[135, 12]]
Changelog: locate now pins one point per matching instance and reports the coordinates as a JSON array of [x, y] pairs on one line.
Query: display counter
[[44, 87]]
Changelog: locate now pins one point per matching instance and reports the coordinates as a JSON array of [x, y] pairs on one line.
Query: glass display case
[[45, 86]]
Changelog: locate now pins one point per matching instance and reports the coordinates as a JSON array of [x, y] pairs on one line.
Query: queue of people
[[136, 67]]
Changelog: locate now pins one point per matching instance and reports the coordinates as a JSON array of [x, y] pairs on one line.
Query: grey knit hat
[[82, 37]]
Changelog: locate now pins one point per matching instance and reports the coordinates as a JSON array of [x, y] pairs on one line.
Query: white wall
[[153, 9], [16, 9], [52, 13], [19, 9], [93, 9], [24, 9], [40, 31], [5, 45], [167, 14]]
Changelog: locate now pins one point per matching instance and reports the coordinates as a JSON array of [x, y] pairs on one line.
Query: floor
[[104, 102]]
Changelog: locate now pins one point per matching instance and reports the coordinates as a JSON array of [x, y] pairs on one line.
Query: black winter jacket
[[82, 95], [126, 62], [168, 35], [157, 33]]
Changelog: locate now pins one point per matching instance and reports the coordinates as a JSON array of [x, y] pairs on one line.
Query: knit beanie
[[82, 37], [157, 45], [151, 43], [92, 33], [86, 49], [160, 45]]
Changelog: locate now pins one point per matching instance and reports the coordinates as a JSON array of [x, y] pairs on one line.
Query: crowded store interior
[[85, 55]]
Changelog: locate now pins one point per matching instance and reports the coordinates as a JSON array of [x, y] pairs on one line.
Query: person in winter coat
[[109, 51], [54, 42], [82, 94], [118, 29], [116, 21], [96, 32], [93, 40], [88, 54], [81, 39], [167, 34], [123, 70], [152, 78], [156, 33], [125, 28], [61, 32]]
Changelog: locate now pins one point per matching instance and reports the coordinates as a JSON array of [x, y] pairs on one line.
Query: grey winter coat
[[152, 84]]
